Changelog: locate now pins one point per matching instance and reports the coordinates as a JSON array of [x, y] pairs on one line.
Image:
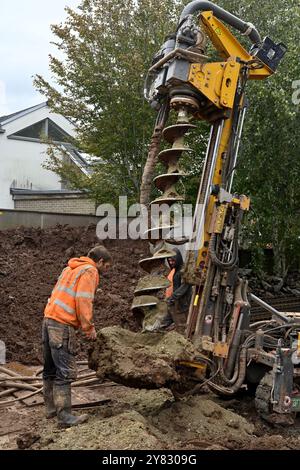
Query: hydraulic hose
[[215, 260], [239, 376], [245, 28]]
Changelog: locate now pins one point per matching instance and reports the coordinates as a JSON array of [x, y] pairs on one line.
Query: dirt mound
[[128, 430], [196, 422], [143, 360], [151, 419], [201, 422], [30, 263]]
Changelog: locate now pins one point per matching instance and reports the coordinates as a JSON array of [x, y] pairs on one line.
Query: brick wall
[[58, 205]]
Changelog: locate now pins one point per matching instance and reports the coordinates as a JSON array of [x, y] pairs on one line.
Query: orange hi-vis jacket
[[71, 301], [170, 289]]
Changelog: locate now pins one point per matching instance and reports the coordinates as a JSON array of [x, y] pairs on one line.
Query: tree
[[269, 164], [107, 48]]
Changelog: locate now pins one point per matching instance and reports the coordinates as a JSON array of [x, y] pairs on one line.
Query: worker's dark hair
[[99, 252]]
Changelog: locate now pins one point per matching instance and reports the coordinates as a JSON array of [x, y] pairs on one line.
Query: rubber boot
[[62, 400], [167, 321], [48, 398], [179, 319]]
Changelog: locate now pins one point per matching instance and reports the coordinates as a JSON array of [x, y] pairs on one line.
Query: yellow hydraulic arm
[[195, 87], [218, 82], [191, 86]]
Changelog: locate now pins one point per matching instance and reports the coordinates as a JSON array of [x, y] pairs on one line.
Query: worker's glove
[[92, 335]]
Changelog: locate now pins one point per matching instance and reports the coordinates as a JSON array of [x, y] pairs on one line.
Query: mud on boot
[[48, 398], [62, 400]]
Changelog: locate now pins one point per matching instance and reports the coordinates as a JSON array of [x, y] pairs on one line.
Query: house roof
[[75, 155], [3, 118], [23, 112], [78, 158]]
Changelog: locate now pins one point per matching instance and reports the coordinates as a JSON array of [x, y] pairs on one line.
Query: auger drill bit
[[148, 296]]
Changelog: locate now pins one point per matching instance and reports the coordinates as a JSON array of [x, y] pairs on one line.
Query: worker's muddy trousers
[[59, 345]]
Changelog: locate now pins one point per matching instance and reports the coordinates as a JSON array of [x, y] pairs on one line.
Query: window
[[56, 133], [45, 129], [36, 131]]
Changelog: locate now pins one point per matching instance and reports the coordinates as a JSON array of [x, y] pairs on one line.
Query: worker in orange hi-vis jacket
[[69, 308], [178, 294]]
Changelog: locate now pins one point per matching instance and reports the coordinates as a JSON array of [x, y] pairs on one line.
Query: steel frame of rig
[[232, 349]]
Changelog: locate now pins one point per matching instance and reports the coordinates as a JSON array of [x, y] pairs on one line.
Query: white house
[[24, 183]]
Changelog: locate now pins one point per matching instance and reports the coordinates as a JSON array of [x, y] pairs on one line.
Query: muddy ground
[[149, 420], [30, 262]]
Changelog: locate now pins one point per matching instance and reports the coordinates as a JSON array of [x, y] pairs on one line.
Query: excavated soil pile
[[150, 419], [30, 263], [194, 423], [142, 360]]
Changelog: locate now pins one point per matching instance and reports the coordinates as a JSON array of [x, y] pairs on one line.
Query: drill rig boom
[[184, 80]]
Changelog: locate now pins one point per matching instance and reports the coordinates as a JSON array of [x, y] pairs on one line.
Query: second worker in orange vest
[[69, 308], [178, 295]]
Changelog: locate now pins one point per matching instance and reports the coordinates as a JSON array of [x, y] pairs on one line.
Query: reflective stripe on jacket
[[71, 301], [169, 290]]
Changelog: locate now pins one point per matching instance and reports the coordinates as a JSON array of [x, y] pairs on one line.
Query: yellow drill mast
[[184, 79]]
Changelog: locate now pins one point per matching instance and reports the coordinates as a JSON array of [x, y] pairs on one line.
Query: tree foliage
[[107, 48], [269, 163]]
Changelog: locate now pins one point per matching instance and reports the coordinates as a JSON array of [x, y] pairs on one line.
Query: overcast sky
[[24, 47]]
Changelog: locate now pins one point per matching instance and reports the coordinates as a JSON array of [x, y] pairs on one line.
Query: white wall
[[21, 161]]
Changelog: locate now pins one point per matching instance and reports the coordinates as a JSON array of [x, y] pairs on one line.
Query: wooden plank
[[34, 401], [92, 404], [31, 401]]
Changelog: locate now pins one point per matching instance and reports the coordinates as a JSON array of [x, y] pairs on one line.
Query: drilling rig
[[233, 349]]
